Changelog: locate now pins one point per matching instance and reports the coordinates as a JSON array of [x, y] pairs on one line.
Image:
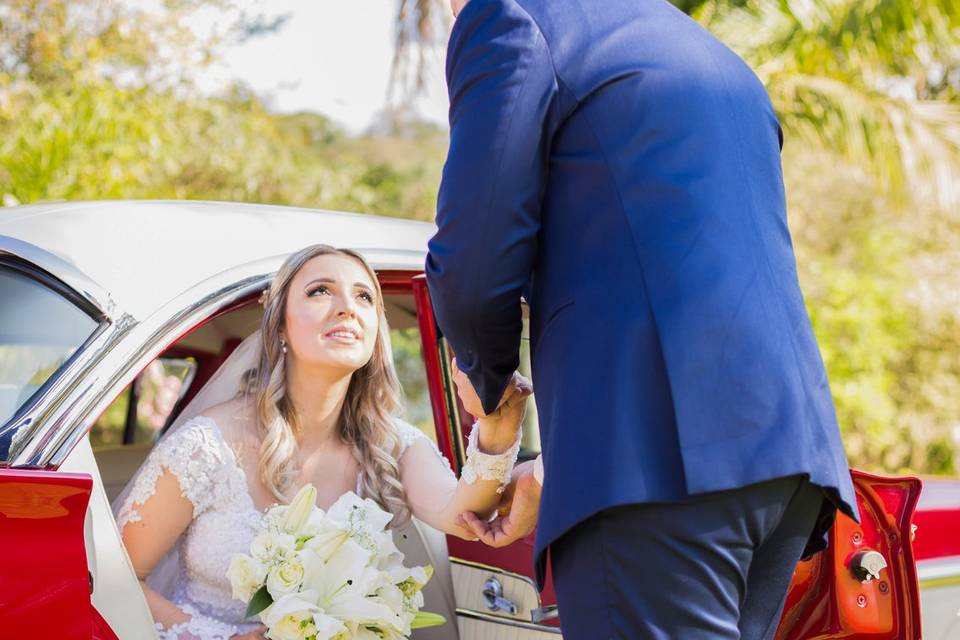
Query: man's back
[[672, 352]]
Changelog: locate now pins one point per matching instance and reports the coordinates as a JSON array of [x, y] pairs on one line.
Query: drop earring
[[283, 345]]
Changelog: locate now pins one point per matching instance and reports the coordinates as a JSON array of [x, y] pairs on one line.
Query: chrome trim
[[63, 271], [34, 428], [118, 366], [520, 624]]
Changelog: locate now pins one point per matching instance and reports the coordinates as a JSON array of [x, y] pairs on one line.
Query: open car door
[[864, 585], [45, 584], [47, 338]]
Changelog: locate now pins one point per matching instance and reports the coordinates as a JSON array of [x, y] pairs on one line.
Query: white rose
[[286, 577], [285, 618], [268, 545], [245, 575]]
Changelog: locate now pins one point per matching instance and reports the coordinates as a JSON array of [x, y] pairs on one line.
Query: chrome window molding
[[62, 270], [509, 622], [28, 430], [115, 368], [62, 279]]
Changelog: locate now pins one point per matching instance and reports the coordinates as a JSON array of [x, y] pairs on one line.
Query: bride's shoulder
[[407, 433], [234, 420]]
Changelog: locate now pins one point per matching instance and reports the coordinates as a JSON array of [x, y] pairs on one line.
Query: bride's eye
[[315, 290], [366, 297]]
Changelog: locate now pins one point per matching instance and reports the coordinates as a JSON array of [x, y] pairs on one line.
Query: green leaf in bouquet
[[425, 619], [260, 601]]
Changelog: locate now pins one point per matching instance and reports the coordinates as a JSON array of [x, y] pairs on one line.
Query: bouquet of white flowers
[[337, 575]]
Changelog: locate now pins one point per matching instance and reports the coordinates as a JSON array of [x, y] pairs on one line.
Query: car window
[[154, 394], [412, 373], [39, 330]]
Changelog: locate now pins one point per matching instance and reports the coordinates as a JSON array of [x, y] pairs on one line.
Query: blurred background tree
[[98, 100]]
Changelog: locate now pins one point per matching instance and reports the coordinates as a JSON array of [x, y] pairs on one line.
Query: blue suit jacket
[[621, 166]]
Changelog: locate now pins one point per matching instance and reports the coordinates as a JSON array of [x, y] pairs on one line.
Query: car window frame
[[9, 428]]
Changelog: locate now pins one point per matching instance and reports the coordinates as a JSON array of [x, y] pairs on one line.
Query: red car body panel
[[45, 584], [938, 520]]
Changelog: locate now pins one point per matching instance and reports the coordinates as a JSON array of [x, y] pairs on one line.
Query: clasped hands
[[519, 504]]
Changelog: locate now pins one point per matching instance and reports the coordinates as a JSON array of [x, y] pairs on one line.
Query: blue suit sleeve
[[503, 95]]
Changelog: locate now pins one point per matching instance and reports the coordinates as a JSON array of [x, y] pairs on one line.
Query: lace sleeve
[[410, 434], [198, 627], [194, 454]]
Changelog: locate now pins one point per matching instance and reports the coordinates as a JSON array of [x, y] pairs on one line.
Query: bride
[[311, 397]]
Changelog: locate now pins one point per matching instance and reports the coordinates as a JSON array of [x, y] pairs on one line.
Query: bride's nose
[[345, 307]]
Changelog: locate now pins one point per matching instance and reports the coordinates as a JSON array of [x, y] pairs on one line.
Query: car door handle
[[493, 597], [548, 612]]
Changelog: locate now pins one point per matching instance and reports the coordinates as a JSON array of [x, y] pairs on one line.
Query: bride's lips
[[343, 335]]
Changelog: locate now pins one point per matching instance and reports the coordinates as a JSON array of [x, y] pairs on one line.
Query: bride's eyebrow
[[357, 285]]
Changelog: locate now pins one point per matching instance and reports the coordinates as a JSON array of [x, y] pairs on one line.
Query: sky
[[332, 57]]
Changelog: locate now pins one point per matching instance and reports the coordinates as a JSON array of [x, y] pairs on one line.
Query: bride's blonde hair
[[367, 421]]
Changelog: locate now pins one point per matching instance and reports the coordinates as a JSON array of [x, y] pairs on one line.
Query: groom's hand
[[517, 513], [517, 390], [498, 430]]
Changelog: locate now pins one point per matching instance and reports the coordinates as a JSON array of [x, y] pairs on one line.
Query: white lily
[[326, 538], [299, 510], [359, 512], [342, 585]]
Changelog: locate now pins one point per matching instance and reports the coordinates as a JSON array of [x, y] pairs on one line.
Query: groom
[[619, 167]]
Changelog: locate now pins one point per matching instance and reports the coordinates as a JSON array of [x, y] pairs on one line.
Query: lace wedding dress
[[224, 523]]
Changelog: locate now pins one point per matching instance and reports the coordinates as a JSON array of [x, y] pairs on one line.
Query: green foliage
[[92, 109]]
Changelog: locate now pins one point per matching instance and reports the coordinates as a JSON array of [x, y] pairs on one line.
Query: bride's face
[[331, 314]]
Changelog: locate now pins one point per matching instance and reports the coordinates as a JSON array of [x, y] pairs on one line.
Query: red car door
[[863, 586], [45, 585]]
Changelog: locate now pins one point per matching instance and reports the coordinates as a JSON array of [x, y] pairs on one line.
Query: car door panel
[[44, 583], [828, 600]]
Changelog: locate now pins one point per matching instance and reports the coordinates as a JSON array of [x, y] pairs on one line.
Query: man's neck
[[457, 6]]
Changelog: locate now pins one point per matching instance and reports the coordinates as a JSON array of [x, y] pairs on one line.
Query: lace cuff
[[198, 627], [489, 466]]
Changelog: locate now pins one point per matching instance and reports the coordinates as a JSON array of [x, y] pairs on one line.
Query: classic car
[[115, 313]]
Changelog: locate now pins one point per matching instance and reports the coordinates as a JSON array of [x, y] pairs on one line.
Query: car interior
[[123, 435]]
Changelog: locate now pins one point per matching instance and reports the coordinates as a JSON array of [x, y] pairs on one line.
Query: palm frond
[[420, 29]]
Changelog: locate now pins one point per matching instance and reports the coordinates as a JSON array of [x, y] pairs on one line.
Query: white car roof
[[144, 253]]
